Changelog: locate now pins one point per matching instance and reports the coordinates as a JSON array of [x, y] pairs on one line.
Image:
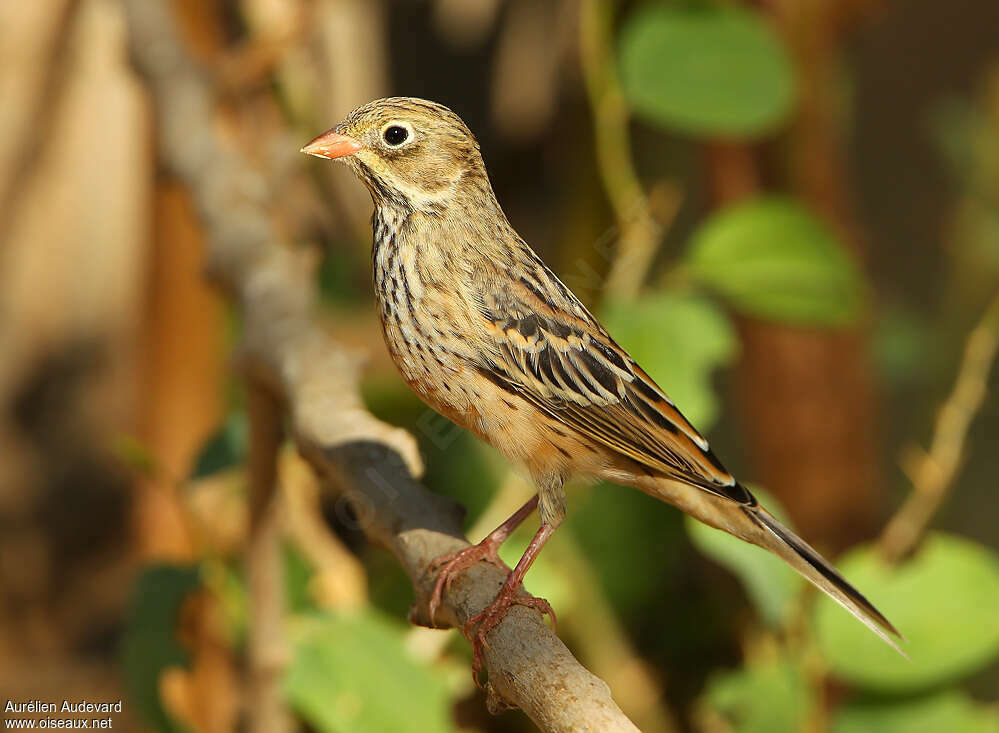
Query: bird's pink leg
[[456, 562], [509, 595]]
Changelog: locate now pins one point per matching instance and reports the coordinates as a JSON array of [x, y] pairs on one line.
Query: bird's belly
[[435, 373]]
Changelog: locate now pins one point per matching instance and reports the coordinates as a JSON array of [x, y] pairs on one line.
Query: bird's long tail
[[799, 555], [741, 515]]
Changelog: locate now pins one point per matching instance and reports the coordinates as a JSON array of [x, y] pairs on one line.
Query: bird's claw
[[454, 563], [489, 617]]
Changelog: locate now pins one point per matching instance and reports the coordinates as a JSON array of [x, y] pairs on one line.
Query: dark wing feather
[[571, 369]]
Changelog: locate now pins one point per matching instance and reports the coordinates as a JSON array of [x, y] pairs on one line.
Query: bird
[[487, 335]]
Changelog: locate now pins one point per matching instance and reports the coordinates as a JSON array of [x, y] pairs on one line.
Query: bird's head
[[409, 152]]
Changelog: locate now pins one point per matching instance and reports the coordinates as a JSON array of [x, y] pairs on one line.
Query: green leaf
[[678, 340], [770, 582], [949, 711], [944, 600], [225, 449], [351, 673], [762, 698], [772, 258], [149, 645], [718, 70]]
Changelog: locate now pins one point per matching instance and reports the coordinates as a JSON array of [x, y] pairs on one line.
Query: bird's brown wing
[[571, 369]]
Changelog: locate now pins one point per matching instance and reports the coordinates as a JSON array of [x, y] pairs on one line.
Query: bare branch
[[641, 220], [265, 569], [933, 472], [373, 464]]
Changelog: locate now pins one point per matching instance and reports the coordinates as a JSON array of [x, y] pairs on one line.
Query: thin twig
[[372, 464], [640, 231], [933, 472], [265, 570]]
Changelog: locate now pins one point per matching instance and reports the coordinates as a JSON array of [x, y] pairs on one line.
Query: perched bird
[[487, 335]]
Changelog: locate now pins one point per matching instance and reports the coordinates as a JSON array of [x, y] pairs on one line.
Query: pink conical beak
[[331, 144]]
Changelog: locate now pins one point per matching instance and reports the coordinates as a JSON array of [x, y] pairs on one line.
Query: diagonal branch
[[372, 464], [933, 472]]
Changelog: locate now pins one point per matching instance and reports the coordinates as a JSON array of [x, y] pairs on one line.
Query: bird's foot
[[489, 617], [454, 563]]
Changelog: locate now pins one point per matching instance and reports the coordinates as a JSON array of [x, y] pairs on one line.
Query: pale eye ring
[[395, 135]]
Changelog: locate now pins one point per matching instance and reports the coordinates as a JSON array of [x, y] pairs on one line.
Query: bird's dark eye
[[395, 135]]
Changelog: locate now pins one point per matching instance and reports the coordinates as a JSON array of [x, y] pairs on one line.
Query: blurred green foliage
[[629, 539], [763, 697], [945, 599], [902, 347], [350, 672], [150, 643], [226, 448], [770, 582], [679, 340], [771, 258], [949, 711], [743, 86]]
